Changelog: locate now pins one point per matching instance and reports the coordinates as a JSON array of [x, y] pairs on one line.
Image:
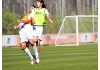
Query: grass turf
[[84, 57]]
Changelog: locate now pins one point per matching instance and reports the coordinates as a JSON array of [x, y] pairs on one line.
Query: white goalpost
[[76, 30]]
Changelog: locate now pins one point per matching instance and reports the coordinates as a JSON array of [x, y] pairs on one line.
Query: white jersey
[[26, 32], [21, 25]]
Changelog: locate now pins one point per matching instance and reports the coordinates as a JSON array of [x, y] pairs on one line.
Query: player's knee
[[38, 42], [35, 38], [32, 44], [23, 48]]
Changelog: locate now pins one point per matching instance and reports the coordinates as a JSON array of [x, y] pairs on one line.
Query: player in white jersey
[[26, 34]]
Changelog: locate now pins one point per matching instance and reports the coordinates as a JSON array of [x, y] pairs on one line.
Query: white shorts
[[26, 34], [23, 36], [39, 30]]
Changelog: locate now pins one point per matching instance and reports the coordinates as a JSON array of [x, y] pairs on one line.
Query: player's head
[[40, 3], [32, 7]]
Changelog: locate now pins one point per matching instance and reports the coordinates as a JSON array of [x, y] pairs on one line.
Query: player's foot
[[37, 60], [32, 61], [34, 58]]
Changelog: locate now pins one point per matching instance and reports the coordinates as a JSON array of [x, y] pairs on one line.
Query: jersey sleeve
[[25, 17], [31, 14], [46, 12]]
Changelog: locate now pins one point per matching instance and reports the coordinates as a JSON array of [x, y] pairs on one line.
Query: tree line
[[17, 9], [72, 7]]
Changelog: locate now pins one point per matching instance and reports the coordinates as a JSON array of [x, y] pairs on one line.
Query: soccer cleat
[[34, 58], [37, 60], [32, 62]]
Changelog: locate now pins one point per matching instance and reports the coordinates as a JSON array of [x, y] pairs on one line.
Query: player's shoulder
[[27, 14], [21, 23], [44, 8], [39, 9]]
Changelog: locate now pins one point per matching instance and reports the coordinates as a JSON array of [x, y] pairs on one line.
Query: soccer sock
[[27, 51], [35, 50]]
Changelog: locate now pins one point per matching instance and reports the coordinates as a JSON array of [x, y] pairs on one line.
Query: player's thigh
[[23, 45], [23, 37], [31, 41], [35, 38], [29, 35], [39, 32], [35, 35]]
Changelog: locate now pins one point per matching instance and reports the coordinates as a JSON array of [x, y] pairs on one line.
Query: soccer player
[[26, 34], [39, 15]]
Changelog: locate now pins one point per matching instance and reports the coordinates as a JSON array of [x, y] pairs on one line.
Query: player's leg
[[35, 38], [39, 30], [34, 57], [27, 44], [38, 45], [23, 45], [29, 35], [32, 38]]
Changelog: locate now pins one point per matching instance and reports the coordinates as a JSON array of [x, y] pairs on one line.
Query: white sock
[[35, 50], [27, 51]]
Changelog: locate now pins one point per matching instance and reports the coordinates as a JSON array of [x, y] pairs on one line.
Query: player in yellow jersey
[[38, 16]]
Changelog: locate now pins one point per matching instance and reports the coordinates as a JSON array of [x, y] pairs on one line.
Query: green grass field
[[84, 57]]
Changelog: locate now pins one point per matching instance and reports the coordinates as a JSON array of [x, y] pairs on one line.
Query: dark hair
[[43, 4], [33, 6]]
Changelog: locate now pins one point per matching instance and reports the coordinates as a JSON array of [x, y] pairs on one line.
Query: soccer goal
[[76, 30]]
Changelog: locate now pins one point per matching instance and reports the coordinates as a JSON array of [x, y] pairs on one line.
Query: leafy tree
[[53, 28], [8, 21]]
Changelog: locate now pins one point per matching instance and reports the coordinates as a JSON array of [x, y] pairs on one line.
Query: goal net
[[75, 30]]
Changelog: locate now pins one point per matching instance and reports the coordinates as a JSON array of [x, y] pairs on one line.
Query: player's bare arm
[[50, 20], [17, 26]]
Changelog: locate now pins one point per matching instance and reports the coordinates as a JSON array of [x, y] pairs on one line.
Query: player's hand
[[19, 21], [50, 21], [14, 27], [33, 21]]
